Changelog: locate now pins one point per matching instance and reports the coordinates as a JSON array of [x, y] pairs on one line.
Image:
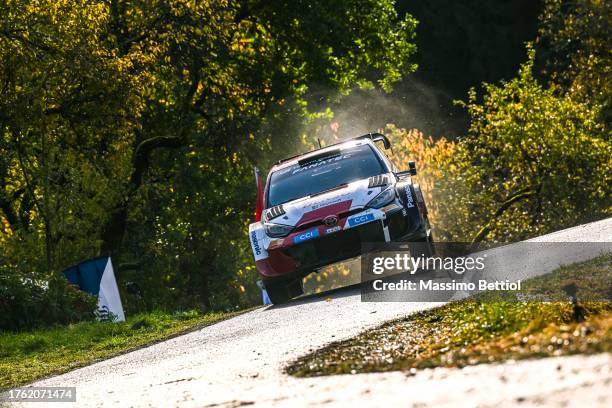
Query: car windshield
[[310, 177]]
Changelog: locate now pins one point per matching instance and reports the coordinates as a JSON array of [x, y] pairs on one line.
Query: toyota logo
[[330, 220]]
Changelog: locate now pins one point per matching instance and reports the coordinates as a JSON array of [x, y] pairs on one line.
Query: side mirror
[[410, 172], [401, 174], [412, 168]]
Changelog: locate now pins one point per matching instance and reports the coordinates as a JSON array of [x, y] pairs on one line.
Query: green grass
[[483, 329], [27, 356]]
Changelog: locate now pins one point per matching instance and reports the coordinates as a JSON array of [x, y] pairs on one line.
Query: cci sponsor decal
[[255, 243], [305, 236], [360, 219]]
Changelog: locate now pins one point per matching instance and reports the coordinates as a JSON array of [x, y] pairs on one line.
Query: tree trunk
[[116, 226], [204, 292]]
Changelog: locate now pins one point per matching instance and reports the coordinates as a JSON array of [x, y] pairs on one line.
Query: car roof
[[341, 145]]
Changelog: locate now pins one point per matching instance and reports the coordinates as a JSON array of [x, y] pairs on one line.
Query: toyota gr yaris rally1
[[319, 207]]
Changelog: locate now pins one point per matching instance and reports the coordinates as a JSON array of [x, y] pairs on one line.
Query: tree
[[212, 87], [142, 119], [535, 160], [574, 48], [65, 125]]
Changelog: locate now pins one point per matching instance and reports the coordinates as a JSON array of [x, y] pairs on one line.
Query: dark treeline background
[[460, 44], [130, 128]]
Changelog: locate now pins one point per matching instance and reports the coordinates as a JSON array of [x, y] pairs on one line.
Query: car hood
[[315, 208]]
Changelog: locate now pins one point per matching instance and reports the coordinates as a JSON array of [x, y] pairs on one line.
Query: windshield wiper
[[338, 187]]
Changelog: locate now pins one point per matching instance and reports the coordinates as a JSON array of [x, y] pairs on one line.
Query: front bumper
[[306, 250]]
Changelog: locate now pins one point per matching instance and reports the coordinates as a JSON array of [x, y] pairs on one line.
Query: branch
[[6, 206], [114, 229], [25, 206], [26, 179], [14, 36], [520, 195], [143, 151]]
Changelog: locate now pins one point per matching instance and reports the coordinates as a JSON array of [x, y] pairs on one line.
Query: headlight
[[277, 230], [382, 199]]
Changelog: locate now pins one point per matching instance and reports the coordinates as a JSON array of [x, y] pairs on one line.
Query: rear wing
[[375, 137]]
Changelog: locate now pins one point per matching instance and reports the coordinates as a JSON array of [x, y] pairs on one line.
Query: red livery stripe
[[320, 213]]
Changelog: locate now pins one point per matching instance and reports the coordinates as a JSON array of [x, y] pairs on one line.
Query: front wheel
[[423, 246]]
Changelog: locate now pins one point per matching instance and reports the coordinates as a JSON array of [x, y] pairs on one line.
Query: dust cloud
[[412, 105]]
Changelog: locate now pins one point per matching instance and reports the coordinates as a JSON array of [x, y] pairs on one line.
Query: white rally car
[[318, 208]]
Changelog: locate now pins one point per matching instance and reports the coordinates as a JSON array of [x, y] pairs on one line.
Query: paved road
[[240, 361]]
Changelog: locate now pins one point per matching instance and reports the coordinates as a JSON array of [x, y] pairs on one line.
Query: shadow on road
[[337, 293], [369, 296]]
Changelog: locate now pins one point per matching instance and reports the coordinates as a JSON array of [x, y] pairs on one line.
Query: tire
[[423, 246], [419, 248], [282, 291]]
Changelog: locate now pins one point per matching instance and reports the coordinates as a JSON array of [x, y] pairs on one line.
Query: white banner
[[108, 297]]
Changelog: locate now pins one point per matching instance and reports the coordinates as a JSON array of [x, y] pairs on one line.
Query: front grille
[[317, 223], [335, 247]]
